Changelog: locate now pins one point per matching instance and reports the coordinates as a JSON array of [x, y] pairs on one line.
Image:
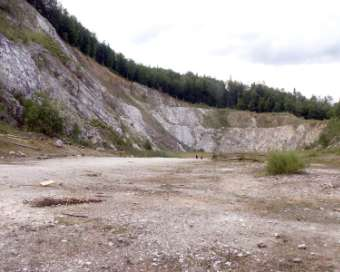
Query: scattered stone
[[47, 183], [277, 235], [261, 245], [327, 186], [75, 215], [21, 154], [44, 157], [11, 153], [297, 260], [100, 149], [93, 174], [113, 147], [302, 246], [59, 143]]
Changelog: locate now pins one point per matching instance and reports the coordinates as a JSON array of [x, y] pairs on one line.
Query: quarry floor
[[168, 215]]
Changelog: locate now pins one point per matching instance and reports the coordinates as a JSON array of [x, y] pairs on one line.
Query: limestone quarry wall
[[84, 91]]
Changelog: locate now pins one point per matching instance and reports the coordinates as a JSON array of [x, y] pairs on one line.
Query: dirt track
[[168, 215]]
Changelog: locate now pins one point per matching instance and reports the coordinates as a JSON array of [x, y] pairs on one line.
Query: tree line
[[189, 87]]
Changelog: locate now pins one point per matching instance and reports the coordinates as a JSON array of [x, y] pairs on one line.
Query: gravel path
[[168, 215]]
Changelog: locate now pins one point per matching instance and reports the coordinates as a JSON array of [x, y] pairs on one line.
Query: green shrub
[[75, 133], [331, 132], [41, 116], [147, 145], [284, 163], [2, 108]]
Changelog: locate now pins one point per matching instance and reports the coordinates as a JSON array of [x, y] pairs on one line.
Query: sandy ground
[[168, 215]]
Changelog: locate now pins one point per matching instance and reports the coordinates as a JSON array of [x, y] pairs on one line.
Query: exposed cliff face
[[84, 91]]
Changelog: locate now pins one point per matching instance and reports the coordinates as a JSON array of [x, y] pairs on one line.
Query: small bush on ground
[[41, 116], [288, 162]]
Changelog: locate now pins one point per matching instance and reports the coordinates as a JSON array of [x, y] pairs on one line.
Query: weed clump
[[288, 162]]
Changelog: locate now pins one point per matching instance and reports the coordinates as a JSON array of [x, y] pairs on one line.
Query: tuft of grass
[[285, 162], [75, 133], [98, 124]]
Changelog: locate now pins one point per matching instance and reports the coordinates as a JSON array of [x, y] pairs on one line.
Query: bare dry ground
[[168, 215]]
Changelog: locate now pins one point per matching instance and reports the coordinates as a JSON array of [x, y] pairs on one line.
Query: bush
[[75, 133], [147, 145], [284, 163], [41, 116]]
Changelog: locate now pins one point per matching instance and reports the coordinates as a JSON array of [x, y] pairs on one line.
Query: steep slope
[[34, 59]]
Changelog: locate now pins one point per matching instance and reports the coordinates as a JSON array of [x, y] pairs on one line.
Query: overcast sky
[[285, 43]]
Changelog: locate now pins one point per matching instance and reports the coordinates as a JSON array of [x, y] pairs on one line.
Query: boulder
[[59, 143]]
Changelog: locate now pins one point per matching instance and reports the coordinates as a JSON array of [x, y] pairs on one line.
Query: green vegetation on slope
[[286, 162], [331, 133], [41, 116], [120, 142], [188, 87]]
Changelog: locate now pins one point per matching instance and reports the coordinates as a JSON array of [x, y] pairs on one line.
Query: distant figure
[[201, 157], [196, 157]]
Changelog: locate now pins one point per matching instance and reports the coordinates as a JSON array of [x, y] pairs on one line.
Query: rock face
[[86, 92]]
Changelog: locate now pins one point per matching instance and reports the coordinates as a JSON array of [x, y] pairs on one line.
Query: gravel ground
[[168, 215]]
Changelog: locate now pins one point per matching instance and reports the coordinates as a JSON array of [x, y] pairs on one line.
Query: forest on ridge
[[189, 87]]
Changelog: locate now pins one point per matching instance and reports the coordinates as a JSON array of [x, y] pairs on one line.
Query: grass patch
[[288, 162], [122, 143], [21, 34], [331, 133], [5, 128], [48, 43], [217, 118], [252, 157], [41, 116]]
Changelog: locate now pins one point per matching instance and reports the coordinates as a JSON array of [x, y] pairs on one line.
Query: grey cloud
[[259, 49], [295, 54]]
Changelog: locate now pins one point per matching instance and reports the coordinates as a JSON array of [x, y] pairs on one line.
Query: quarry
[[142, 181]]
